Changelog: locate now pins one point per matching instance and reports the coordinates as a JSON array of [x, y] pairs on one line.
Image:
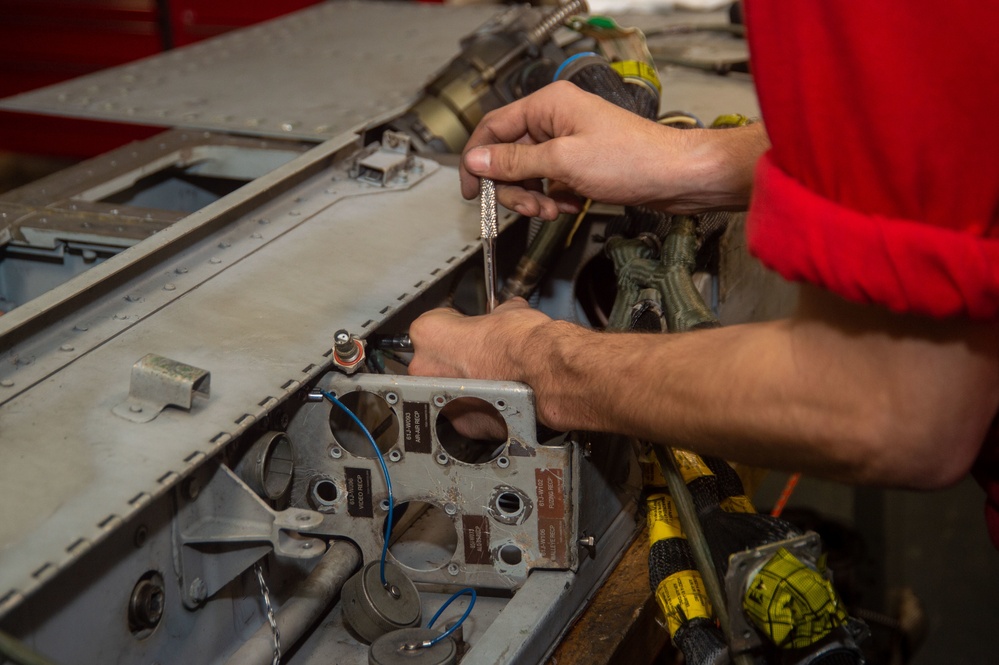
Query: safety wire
[[388, 482], [468, 610]]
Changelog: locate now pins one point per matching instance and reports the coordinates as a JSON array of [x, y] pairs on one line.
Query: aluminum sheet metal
[[255, 303], [314, 74]]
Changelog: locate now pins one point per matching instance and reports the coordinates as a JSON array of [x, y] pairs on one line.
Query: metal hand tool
[[487, 202]]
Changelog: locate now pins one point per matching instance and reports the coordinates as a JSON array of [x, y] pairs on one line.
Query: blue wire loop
[[453, 628], [388, 481]]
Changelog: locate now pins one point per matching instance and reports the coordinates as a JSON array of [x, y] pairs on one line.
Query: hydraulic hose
[[302, 610]]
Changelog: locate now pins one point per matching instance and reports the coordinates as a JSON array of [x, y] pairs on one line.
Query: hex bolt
[[588, 542], [198, 591]]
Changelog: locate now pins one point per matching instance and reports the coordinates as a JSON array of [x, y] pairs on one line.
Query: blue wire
[[464, 616], [571, 59], [388, 482]]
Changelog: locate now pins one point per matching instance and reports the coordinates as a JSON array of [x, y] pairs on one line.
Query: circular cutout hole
[[423, 536], [277, 467], [510, 555], [377, 417], [509, 504], [471, 430], [323, 493]]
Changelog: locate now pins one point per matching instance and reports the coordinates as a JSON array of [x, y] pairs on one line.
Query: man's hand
[[450, 344], [591, 147]]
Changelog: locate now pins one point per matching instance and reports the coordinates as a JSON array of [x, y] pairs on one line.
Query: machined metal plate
[[250, 289], [324, 71], [494, 510]]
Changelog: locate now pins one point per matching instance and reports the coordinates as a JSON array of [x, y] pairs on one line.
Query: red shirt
[[883, 181]]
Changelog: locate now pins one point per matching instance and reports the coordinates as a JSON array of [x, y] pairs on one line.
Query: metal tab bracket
[[388, 162], [159, 382], [224, 528]]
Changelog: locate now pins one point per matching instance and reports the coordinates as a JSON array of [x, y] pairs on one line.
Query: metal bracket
[[388, 161], [159, 382], [743, 567], [224, 527]]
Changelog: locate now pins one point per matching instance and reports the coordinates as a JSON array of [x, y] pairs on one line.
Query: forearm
[[703, 170], [904, 404]]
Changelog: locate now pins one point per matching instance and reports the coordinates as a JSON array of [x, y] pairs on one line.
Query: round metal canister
[[371, 610], [390, 649]]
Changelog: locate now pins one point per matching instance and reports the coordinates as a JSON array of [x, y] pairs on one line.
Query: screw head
[[145, 607]]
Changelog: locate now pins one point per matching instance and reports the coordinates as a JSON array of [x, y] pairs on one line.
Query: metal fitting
[[348, 351]]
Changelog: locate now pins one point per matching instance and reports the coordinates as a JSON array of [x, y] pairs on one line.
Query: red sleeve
[[883, 181]]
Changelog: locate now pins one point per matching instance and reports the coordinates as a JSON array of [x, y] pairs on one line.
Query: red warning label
[[551, 499]]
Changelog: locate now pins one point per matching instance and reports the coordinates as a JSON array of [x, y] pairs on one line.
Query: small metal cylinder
[[371, 610]]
